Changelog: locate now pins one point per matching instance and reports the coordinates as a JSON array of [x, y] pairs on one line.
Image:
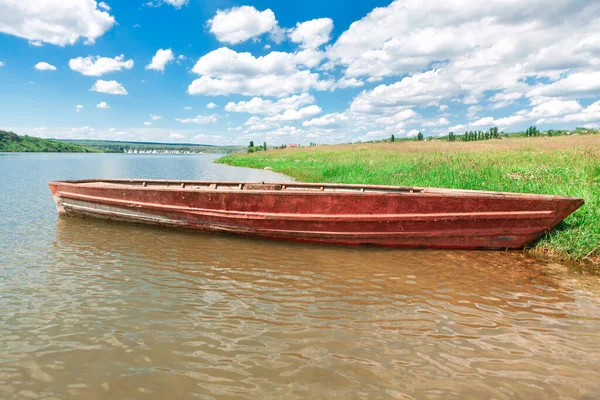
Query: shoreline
[[565, 166]]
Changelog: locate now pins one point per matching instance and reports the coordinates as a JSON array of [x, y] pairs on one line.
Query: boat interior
[[235, 186], [296, 187]]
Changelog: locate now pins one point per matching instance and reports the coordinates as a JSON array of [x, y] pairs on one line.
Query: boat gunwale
[[394, 190]]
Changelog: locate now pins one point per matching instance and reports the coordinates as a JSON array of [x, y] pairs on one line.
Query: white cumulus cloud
[[44, 66], [588, 114], [327, 120], [296, 115], [161, 59], [97, 66], [406, 36], [225, 71], [102, 104], [257, 105], [499, 52], [581, 84], [176, 3], [398, 118], [554, 107], [312, 34], [199, 119], [566, 112], [419, 89], [104, 6], [211, 105], [239, 24], [58, 22], [155, 117], [349, 83], [109, 87]]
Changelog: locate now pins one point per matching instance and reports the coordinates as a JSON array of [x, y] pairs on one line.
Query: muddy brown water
[[95, 310]]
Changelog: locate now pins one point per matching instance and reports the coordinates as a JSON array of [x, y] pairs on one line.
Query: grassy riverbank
[[566, 166]]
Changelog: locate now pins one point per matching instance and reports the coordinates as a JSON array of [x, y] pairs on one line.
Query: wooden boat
[[323, 213]]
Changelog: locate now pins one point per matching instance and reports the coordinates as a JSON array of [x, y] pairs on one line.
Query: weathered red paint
[[323, 213]]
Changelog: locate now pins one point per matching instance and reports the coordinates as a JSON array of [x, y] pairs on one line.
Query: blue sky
[[225, 72]]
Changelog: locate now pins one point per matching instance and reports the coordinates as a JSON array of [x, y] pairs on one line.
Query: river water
[[95, 310]]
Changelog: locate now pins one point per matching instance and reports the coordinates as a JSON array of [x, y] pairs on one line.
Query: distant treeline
[[252, 148], [154, 147], [492, 133], [11, 142]]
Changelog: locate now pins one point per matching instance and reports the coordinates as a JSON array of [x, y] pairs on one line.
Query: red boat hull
[[322, 213]]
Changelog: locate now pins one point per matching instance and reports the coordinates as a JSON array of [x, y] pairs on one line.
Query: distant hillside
[[11, 142], [114, 146]]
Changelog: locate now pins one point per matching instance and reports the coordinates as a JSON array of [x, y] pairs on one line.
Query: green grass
[[566, 166]]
